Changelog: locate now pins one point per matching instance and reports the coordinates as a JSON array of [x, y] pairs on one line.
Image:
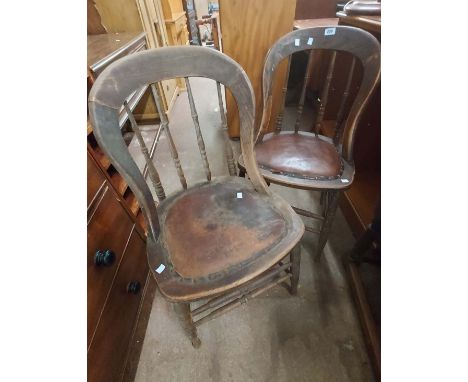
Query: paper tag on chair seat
[[297, 42], [239, 195], [161, 268], [344, 181]]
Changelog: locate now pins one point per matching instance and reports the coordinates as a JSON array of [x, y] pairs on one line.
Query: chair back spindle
[[300, 107], [324, 95], [153, 173], [196, 123], [229, 154], [284, 90], [340, 115], [165, 127]]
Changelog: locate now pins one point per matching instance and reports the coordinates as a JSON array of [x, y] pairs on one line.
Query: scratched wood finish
[[209, 240], [312, 165], [248, 30]]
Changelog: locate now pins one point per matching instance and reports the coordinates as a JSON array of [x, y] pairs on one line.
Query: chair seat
[[221, 228], [302, 160], [301, 154]]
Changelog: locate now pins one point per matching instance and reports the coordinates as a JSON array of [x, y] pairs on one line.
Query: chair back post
[[359, 43], [121, 78]]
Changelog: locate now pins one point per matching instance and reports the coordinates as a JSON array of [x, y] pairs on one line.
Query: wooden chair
[[226, 239], [311, 161]]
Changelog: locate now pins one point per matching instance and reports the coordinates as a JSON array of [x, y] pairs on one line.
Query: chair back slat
[[324, 95], [165, 127], [196, 123], [132, 72], [340, 115], [303, 92], [153, 173], [229, 154], [355, 41]]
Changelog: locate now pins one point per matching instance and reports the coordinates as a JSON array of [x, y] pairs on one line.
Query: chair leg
[[332, 205], [295, 268], [185, 317]]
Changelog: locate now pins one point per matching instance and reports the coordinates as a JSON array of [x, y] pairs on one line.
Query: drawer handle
[[133, 287], [104, 258]]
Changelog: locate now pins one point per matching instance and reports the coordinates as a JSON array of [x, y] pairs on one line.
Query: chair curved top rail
[[122, 77], [355, 41]]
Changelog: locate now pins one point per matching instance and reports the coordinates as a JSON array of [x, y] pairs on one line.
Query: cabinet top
[[369, 23], [102, 45]]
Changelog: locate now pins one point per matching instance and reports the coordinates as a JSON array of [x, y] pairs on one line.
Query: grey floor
[[314, 336]]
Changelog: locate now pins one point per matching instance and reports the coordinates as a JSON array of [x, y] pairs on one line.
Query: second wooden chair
[[311, 161]]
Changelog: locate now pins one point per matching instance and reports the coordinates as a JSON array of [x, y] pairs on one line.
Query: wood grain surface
[[119, 15], [248, 30]]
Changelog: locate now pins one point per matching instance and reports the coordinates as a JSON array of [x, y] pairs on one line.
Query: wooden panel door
[[153, 22], [248, 30]]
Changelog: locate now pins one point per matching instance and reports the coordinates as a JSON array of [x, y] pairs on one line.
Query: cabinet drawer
[[109, 229], [108, 351], [95, 180]]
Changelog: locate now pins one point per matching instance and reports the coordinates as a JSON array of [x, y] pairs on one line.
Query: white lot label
[[330, 31], [297, 41], [344, 181], [239, 195], [160, 268], [310, 41]]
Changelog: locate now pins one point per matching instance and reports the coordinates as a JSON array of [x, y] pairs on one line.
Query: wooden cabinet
[[119, 16], [103, 49], [120, 287], [108, 230], [248, 30]]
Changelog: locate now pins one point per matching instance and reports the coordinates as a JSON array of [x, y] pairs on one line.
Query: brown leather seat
[[202, 227], [301, 154]]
